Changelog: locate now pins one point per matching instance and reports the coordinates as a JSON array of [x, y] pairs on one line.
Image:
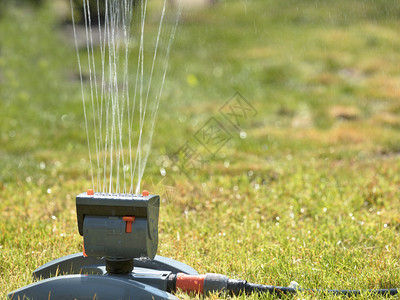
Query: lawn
[[307, 189]]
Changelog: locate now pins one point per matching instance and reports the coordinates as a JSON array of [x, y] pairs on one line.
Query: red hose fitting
[[190, 283], [199, 284]]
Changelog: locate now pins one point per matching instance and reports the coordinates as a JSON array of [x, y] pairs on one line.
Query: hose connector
[[205, 284], [215, 283]]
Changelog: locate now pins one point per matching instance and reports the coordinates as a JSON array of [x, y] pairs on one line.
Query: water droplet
[[163, 172]]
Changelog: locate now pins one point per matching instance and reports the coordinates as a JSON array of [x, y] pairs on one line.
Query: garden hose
[[215, 283]]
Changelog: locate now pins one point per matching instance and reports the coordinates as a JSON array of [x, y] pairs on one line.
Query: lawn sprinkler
[[119, 261]]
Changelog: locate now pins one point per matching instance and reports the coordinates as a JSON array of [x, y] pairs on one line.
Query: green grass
[[311, 194]]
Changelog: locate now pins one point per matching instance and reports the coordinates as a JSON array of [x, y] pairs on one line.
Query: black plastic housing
[[107, 233], [118, 205]]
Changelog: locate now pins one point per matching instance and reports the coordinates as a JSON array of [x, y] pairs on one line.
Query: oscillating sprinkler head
[[118, 226]]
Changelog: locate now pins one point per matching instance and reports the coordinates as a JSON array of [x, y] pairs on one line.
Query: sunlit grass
[[310, 195]]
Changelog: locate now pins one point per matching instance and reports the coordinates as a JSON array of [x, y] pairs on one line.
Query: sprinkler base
[[78, 277]]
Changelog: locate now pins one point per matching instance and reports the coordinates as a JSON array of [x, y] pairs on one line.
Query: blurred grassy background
[[310, 194]]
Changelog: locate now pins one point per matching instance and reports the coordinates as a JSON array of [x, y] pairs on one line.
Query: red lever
[[129, 220]]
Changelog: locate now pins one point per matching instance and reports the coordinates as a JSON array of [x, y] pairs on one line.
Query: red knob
[[129, 220]]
